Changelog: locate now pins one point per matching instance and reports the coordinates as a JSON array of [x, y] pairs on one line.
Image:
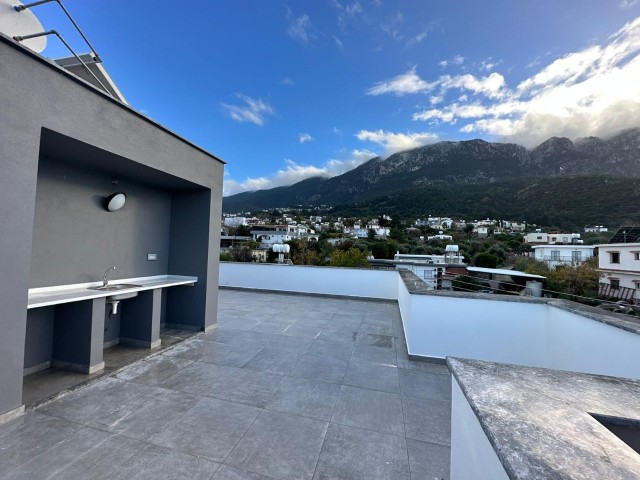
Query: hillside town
[[487, 255]]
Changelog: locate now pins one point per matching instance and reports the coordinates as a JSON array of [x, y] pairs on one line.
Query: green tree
[[349, 258], [485, 260]]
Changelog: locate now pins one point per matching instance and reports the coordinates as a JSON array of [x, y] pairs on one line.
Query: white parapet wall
[[349, 282], [536, 332], [533, 333]]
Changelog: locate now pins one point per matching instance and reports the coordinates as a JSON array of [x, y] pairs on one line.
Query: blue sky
[[284, 91]]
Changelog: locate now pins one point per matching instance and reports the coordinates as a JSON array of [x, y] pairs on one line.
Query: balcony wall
[[543, 333], [348, 282]]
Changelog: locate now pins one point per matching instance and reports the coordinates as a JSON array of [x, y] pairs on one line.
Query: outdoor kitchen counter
[[46, 296], [540, 424]]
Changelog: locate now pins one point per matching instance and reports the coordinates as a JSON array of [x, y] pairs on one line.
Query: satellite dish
[[14, 23]]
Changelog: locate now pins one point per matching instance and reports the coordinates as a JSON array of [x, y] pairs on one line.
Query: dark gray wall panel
[[39, 338], [75, 239]]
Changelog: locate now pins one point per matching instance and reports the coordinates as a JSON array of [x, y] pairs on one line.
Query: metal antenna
[[96, 57]]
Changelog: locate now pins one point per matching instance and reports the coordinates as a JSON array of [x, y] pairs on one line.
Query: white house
[[595, 229], [234, 221], [556, 255], [269, 235], [619, 265]]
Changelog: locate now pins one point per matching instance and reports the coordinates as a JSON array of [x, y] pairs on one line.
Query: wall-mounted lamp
[[115, 201]]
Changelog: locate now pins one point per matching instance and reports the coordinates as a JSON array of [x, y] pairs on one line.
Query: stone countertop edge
[[529, 464], [55, 295], [415, 286]]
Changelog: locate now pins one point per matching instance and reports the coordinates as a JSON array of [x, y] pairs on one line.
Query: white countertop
[[46, 296]]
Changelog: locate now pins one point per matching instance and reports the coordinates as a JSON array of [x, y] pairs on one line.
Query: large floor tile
[[88, 454], [354, 454], [233, 357], [415, 383], [92, 402], [210, 429], [303, 331], [427, 419], [330, 348], [249, 387], [368, 409], [374, 354], [428, 460], [281, 446], [306, 398], [373, 376], [147, 414], [322, 369], [274, 361], [154, 370], [155, 463], [196, 349], [30, 435], [197, 378], [226, 472]]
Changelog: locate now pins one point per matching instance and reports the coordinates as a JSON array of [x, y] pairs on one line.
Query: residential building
[[482, 231], [555, 255], [536, 238], [440, 236], [595, 229], [234, 221], [619, 265], [269, 235]]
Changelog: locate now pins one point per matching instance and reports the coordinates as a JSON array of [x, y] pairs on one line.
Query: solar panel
[[626, 235]]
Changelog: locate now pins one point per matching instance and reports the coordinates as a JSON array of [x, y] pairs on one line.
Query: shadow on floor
[[46, 384]]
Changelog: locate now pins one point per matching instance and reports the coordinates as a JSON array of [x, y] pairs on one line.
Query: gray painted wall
[[69, 211], [36, 95], [39, 337]]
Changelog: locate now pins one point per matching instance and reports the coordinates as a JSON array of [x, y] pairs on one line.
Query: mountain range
[[463, 166]]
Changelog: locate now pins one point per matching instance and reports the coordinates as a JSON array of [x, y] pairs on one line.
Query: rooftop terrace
[[287, 386]]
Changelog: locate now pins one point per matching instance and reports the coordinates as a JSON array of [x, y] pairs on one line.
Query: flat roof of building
[[502, 271]]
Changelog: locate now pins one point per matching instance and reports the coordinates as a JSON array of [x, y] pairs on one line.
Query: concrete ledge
[[111, 343], [36, 368], [183, 326], [76, 367], [11, 414], [425, 359], [308, 294], [133, 342]]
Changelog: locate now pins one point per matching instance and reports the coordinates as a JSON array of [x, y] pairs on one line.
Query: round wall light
[[115, 201]]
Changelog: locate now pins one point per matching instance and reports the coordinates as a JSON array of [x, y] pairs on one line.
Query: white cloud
[[305, 137], [489, 64], [402, 84], [300, 28], [347, 12], [286, 80], [338, 42], [396, 142], [294, 172], [594, 91], [628, 3], [409, 82], [392, 26], [254, 110], [337, 131], [456, 60]]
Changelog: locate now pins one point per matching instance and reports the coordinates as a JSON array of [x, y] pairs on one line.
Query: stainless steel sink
[[114, 287]]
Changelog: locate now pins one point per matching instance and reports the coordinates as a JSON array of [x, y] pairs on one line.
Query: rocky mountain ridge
[[455, 163]]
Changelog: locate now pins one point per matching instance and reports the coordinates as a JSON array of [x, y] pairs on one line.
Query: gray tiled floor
[[287, 387]]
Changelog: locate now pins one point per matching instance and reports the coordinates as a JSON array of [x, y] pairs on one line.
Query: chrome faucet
[[105, 278]]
